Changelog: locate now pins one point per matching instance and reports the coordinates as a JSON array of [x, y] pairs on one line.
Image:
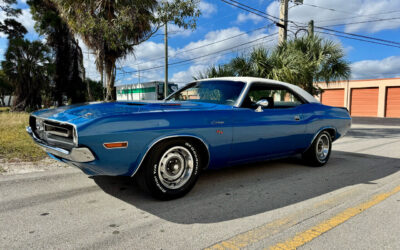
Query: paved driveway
[[352, 203]]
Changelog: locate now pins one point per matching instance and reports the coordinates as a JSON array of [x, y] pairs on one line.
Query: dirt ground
[[15, 166]]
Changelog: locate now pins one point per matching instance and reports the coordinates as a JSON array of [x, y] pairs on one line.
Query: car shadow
[[236, 192]]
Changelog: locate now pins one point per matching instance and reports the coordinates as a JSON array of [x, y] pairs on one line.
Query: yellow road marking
[[263, 232], [249, 237], [307, 236]]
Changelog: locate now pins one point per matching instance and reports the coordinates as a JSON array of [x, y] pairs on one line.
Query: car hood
[[89, 111]]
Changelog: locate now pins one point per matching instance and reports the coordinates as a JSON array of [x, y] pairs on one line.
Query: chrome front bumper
[[76, 154]]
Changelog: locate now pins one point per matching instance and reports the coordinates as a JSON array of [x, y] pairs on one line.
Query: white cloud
[[185, 76], [210, 44], [207, 9], [175, 30], [150, 54], [370, 69], [25, 19], [343, 12], [146, 56], [241, 18]]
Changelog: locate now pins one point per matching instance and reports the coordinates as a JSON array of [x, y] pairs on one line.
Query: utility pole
[[139, 73], [311, 28], [166, 59], [283, 20]]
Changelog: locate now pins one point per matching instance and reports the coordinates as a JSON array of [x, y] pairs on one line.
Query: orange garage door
[[393, 102], [333, 97], [364, 102]]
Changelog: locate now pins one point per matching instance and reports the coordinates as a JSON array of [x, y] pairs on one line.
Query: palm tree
[[309, 59], [68, 58], [111, 28], [215, 71], [27, 65], [301, 62]]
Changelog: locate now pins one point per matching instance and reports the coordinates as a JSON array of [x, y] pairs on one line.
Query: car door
[[272, 131]]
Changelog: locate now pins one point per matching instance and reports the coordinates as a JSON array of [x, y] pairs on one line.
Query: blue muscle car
[[206, 124]]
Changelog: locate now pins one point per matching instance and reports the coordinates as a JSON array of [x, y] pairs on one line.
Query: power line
[[367, 21], [223, 54], [206, 45], [346, 33], [249, 7], [359, 39], [357, 35], [326, 8], [202, 56], [264, 15], [353, 17], [331, 9], [192, 59]]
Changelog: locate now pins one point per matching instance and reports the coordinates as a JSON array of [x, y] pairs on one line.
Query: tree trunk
[[9, 99], [110, 78]]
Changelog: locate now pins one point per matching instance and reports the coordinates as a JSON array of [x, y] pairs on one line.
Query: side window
[[277, 97]]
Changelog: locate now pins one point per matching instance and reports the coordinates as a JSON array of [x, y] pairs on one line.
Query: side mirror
[[261, 104]]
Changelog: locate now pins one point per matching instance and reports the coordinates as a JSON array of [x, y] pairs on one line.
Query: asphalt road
[[352, 203]]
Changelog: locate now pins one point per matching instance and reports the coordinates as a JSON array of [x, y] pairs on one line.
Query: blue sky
[[220, 21]]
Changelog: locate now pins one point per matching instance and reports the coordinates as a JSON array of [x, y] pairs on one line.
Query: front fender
[[144, 153]]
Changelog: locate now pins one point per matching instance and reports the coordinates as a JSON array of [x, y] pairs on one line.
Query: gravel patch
[[15, 166]]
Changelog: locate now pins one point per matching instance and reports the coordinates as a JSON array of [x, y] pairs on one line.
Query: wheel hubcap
[[175, 167], [322, 147]]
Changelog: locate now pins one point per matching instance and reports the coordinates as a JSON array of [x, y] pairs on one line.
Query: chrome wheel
[[175, 167], [322, 147]]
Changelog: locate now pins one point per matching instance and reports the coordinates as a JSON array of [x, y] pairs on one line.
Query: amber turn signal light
[[116, 144]]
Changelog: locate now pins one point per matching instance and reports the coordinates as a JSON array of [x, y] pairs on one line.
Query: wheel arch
[[331, 130], [200, 144]]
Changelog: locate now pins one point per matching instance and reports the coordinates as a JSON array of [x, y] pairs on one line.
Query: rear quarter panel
[[319, 117]]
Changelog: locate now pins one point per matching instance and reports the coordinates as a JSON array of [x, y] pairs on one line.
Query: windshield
[[220, 92]]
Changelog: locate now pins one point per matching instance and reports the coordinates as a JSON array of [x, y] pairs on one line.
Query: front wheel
[[171, 169], [320, 150]]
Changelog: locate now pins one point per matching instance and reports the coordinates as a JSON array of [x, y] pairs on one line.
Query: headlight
[[39, 125]]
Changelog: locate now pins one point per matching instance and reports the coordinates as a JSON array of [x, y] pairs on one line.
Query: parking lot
[[352, 202]]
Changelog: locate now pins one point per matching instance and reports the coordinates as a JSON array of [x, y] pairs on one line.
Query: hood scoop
[[132, 104]]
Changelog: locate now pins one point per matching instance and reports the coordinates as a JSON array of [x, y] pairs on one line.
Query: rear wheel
[[171, 169], [319, 152]]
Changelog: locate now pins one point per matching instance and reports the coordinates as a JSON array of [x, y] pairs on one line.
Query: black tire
[[162, 161], [314, 156]]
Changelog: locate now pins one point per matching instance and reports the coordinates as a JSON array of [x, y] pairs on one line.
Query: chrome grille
[[57, 130], [54, 133]]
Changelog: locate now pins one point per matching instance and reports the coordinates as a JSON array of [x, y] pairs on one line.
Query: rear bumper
[[81, 154]]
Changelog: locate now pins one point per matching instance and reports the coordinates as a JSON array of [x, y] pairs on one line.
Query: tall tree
[[10, 26], [96, 89], [69, 71], [113, 28], [28, 65], [310, 59], [301, 62], [215, 71]]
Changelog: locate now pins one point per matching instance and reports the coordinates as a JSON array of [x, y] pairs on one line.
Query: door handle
[[217, 122], [297, 118]]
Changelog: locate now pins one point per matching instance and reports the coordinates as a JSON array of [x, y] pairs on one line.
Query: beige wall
[[382, 84]]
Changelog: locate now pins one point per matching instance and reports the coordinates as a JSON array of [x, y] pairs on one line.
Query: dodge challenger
[[207, 124]]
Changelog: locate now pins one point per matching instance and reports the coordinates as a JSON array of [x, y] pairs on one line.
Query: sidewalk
[[376, 121]]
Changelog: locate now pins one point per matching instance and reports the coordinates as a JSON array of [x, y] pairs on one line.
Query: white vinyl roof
[[248, 80]]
